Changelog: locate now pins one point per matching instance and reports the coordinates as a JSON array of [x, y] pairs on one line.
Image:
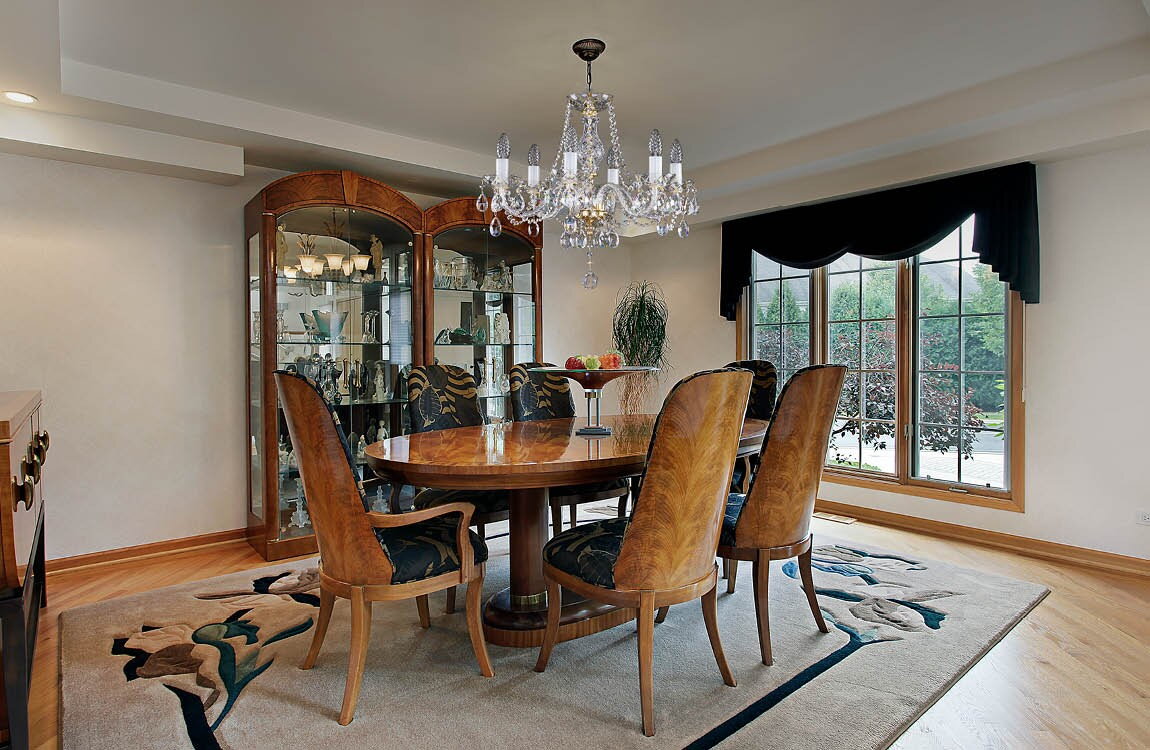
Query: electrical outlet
[[1143, 517]]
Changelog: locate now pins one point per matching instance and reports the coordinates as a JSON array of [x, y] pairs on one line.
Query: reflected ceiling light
[[19, 97]]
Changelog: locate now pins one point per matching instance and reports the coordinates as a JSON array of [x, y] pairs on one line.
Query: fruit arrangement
[[612, 360]]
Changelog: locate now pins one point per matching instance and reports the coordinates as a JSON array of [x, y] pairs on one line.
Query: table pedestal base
[[523, 627]]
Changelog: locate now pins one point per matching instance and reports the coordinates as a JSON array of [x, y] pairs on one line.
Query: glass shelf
[[481, 291], [304, 280], [342, 343]]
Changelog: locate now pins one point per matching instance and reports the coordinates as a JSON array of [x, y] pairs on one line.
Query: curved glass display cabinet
[[481, 293], [346, 285]]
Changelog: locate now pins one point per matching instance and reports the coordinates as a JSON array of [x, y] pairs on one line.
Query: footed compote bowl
[[593, 382]]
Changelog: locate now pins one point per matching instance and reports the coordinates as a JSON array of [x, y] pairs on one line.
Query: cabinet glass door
[[483, 309], [344, 318]]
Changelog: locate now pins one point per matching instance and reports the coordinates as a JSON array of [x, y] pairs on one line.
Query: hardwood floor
[[1073, 674]]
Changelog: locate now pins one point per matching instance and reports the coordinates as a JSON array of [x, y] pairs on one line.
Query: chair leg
[[710, 616], [556, 519], [646, 660], [326, 605], [662, 615], [726, 562], [732, 573], [475, 625], [481, 529], [574, 515], [424, 612], [360, 636], [623, 507], [809, 587], [450, 608], [551, 634], [761, 573]]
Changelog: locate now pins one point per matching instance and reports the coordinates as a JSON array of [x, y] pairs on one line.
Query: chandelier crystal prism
[[593, 212]]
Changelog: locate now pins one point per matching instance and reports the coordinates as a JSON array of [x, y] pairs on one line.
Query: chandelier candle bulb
[[655, 157], [502, 158], [533, 165], [677, 161]]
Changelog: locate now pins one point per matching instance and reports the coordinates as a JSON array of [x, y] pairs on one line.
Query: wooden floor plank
[[1073, 674]]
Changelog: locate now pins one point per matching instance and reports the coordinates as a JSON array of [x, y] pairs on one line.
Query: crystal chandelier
[[593, 212]]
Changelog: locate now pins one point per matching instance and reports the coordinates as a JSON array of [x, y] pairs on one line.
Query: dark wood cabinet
[[402, 287], [24, 447]]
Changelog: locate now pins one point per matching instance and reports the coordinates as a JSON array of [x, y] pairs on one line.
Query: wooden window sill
[[972, 497]]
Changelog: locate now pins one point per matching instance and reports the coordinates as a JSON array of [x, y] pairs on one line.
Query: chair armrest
[[462, 540]]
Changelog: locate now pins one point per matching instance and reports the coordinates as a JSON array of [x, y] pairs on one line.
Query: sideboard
[[23, 450]]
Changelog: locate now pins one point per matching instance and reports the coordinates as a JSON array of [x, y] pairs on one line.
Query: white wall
[[118, 299], [578, 320], [1087, 358]]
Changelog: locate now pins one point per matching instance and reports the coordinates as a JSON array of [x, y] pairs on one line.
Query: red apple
[[574, 363]]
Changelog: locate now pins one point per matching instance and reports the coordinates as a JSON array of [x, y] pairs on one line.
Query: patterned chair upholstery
[[441, 397], [589, 552], [537, 396], [420, 550], [764, 387]]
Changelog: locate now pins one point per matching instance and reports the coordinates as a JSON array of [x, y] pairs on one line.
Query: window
[[932, 402], [782, 316]]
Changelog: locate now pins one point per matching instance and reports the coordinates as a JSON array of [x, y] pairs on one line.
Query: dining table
[[526, 458]]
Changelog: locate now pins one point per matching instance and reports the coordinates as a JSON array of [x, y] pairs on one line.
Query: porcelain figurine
[[380, 382], [502, 329], [376, 251]]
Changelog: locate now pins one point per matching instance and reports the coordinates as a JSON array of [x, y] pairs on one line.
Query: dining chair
[[368, 557], [760, 406], [772, 521], [441, 397], [664, 553], [537, 395]]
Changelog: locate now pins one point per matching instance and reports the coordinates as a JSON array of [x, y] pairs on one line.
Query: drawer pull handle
[[24, 493], [31, 465], [42, 441]]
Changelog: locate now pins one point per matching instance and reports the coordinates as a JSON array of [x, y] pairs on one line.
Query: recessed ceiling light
[[20, 97]]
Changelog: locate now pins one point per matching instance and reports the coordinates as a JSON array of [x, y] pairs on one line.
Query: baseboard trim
[[145, 551], [1039, 548]]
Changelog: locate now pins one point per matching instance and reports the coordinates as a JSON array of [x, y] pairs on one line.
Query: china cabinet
[[351, 284]]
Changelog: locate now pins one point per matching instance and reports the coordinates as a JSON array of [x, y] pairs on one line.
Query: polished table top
[[543, 453]]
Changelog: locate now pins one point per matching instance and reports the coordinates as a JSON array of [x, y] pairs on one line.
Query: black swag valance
[[896, 224]]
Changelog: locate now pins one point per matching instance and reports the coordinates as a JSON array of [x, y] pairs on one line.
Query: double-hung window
[[932, 402]]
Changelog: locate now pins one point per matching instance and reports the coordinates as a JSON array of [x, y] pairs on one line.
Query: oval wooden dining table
[[527, 458]]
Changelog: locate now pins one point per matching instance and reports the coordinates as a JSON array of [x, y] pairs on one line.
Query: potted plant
[[639, 329]]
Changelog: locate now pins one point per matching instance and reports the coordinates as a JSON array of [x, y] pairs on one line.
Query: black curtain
[[896, 224]]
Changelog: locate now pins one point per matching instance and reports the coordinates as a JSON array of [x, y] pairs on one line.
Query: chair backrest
[[537, 395], [347, 544], [674, 531], [441, 397], [778, 508], [764, 387]]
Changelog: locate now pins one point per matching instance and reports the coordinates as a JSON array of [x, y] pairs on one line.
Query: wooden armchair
[[367, 557], [545, 396], [773, 521], [665, 553]]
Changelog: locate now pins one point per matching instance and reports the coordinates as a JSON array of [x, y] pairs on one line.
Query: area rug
[[213, 665]]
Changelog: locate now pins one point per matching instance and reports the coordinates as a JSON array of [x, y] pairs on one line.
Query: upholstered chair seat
[[486, 502], [426, 549], [588, 552]]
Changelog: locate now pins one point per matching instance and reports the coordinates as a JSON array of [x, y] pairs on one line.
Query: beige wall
[[1086, 357], [118, 299]]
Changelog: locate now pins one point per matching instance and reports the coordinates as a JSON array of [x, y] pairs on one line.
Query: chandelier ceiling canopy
[[593, 211]]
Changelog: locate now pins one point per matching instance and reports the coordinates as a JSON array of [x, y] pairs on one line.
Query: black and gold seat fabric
[[588, 552], [440, 397], [426, 549], [421, 550], [538, 395], [734, 509], [764, 391]]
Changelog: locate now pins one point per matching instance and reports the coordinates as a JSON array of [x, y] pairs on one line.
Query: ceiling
[[416, 92], [725, 77]]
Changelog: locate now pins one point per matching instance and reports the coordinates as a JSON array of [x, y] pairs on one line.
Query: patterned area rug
[[213, 666]]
